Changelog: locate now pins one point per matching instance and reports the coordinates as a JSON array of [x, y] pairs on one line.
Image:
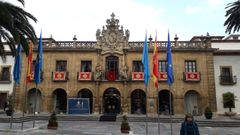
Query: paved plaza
[[105, 128], [112, 128]]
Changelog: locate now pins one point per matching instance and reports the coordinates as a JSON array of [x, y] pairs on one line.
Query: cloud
[[192, 10], [215, 3], [63, 19]]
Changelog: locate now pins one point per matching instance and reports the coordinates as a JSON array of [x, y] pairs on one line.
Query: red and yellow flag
[[29, 76], [155, 63]]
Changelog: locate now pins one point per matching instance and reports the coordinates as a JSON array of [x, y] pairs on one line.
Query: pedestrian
[[189, 126]]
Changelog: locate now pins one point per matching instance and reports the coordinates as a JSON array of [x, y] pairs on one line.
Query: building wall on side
[[226, 45], [234, 62], [7, 87]]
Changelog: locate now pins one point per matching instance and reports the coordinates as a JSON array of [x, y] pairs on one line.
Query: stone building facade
[[109, 72]]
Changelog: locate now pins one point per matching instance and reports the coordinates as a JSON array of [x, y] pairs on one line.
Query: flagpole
[[158, 111], [35, 106], [13, 98], [25, 96], [146, 75], [146, 119], [170, 107], [169, 77], [24, 104]]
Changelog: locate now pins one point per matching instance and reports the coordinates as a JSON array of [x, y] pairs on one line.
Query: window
[[137, 66], [86, 66], [61, 65], [162, 66], [5, 74], [190, 66], [226, 76], [226, 72]]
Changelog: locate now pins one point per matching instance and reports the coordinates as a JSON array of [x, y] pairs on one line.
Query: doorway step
[[108, 117]]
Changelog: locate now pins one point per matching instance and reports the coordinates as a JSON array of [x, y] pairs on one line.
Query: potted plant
[[208, 113], [52, 122], [125, 128], [228, 102]]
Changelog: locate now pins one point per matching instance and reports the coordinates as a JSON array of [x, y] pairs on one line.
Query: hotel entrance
[[111, 101]]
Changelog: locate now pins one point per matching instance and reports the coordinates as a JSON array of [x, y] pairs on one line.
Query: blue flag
[[169, 62], [145, 62], [39, 62], [17, 66]]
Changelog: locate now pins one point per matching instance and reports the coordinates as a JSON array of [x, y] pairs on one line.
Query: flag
[[30, 64], [155, 63], [145, 62], [169, 62], [17, 66], [39, 62]]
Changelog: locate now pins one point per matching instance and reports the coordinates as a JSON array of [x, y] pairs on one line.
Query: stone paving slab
[[105, 128]]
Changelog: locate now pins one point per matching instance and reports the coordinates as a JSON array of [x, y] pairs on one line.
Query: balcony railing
[[191, 76], [137, 76], [162, 76], [5, 80], [84, 76], [32, 77], [111, 75], [60, 76], [227, 80]]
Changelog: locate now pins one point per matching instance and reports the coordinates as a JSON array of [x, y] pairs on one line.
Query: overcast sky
[[186, 18]]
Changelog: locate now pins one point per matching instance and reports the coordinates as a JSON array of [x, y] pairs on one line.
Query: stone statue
[[99, 72], [124, 72]]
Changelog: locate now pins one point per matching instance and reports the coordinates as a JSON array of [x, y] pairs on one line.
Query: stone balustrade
[[132, 45]]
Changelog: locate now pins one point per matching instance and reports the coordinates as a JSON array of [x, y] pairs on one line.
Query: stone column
[[97, 104], [125, 102]]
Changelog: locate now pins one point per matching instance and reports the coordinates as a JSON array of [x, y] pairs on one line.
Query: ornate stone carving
[[124, 72], [99, 72], [112, 39]]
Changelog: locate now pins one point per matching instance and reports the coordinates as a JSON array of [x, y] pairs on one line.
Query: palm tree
[[15, 28], [233, 17]]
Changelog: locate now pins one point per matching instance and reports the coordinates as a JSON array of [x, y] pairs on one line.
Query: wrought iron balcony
[[84, 76], [162, 76], [6, 79], [32, 77], [191, 76], [227, 80], [60, 76], [111, 75], [137, 76]]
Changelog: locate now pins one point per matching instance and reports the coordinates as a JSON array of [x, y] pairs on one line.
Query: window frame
[[190, 66], [90, 67], [59, 68], [137, 66], [161, 63]]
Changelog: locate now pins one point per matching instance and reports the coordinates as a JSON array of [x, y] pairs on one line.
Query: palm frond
[[233, 17], [15, 27]]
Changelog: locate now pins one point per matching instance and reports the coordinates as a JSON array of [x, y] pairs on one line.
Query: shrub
[[125, 128]]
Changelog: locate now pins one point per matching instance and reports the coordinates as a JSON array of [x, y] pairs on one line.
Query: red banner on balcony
[[59, 76], [111, 75], [138, 76], [84, 76], [162, 76], [192, 76]]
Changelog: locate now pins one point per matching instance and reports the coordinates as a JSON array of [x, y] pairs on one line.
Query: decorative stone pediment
[[112, 39]]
